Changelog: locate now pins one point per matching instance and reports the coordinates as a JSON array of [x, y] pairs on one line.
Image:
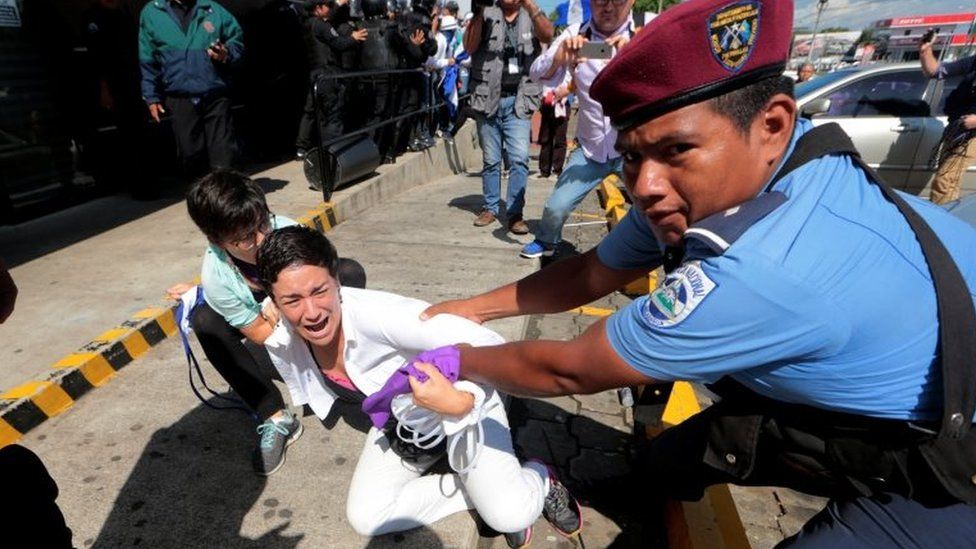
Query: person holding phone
[[957, 149], [581, 52], [186, 51]]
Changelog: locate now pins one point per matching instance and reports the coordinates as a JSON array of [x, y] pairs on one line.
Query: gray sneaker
[[276, 437], [519, 540], [561, 509]]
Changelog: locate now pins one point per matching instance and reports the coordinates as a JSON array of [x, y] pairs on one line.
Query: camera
[[929, 36]]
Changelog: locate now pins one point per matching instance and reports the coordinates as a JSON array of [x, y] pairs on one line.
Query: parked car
[[894, 115]]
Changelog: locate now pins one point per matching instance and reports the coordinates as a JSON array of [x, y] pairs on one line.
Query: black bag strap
[[957, 319]]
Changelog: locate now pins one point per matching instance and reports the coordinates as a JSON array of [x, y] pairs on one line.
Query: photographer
[[503, 41], [957, 149], [188, 67], [609, 29]]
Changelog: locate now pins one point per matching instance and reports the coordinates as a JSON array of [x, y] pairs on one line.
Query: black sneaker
[[519, 540], [276, 437], [561, 509]]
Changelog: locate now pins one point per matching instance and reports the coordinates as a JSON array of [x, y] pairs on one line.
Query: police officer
[[833, 315], [413, 132], [325, 45], [378, 53]]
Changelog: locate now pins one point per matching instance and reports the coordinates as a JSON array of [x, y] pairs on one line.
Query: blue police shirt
[[825, 301]]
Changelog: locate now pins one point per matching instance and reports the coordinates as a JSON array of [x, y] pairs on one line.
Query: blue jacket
[[174, 62]]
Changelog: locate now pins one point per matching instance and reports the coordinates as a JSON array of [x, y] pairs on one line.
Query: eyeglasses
[[250, 240], [616, 3]]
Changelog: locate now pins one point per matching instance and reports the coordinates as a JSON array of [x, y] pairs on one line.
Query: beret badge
[[732, 33]]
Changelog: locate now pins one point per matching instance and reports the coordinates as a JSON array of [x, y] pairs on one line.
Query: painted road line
[[615, 208], [593, 311]]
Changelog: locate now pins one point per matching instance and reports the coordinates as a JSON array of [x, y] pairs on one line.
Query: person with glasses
[[231, 211], [595, 158]]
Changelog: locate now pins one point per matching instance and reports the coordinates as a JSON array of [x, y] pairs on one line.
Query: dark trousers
[[412, 96], [29, 509], [552, 141], [203, 126], [236, 363], [685, 459], [377, 103], [330, 104]]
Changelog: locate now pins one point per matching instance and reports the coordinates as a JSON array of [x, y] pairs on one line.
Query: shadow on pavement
[[56, 230], [470, 203], [423, 537], [595, 462], [192, 487]]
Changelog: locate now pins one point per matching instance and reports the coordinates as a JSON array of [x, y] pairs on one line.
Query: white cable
[[425, 428]]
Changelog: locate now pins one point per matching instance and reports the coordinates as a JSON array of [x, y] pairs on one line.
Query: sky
[[855, 14]]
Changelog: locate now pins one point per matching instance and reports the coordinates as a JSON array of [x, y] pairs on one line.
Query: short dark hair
[[743, 105], [225, 203], [294, 245]]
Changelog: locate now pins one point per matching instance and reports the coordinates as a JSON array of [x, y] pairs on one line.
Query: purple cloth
[[447, 360]]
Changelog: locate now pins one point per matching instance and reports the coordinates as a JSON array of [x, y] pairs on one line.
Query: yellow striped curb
[[29, 404]]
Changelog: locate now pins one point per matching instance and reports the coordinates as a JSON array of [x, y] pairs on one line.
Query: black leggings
[[238, 365]]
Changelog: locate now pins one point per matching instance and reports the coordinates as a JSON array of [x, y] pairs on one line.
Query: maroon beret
[[695, 51]]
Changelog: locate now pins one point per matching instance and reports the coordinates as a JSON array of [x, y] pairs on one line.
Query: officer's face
[[691, 163], [308, 296]]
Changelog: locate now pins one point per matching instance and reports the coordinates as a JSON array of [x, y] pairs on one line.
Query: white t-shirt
[[382, 331]]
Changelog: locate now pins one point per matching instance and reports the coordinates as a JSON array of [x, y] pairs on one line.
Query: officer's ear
[[774, 127]]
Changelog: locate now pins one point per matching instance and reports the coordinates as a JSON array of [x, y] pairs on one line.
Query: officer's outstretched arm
[[586, 364], [559, 287]]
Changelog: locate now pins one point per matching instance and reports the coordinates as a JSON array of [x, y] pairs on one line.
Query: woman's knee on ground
[[367, 515]]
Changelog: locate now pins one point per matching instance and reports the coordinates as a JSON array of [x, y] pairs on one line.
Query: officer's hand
[[969, 121], [451, 62], [438, 393], [155, 110], [568, 53], [418, 37], [218, 52], [360, 35], [457, 307], [174, 292]]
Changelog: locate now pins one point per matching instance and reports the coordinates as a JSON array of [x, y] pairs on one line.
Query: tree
[[652, 5]]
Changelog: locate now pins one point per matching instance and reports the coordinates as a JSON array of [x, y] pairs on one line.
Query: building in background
[[897, 39]]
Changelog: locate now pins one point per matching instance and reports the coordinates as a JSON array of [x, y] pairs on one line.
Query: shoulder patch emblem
[[732, 32], [680, 294], [208, 26]]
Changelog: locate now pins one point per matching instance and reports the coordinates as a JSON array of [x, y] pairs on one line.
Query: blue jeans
[[580, 176], [515, 132]]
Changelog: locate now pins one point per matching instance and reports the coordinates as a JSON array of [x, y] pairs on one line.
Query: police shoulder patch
[[732, 32], [678, 296]]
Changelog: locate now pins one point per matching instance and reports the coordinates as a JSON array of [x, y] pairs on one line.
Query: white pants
[[389, 494]]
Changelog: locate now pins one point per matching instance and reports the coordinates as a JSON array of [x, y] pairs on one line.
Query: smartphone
[[929, 36], [596, 50]]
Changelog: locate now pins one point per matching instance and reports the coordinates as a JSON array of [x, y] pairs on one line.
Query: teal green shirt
[[224, 288]]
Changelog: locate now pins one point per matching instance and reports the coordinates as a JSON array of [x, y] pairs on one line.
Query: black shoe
[[561, 509]]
